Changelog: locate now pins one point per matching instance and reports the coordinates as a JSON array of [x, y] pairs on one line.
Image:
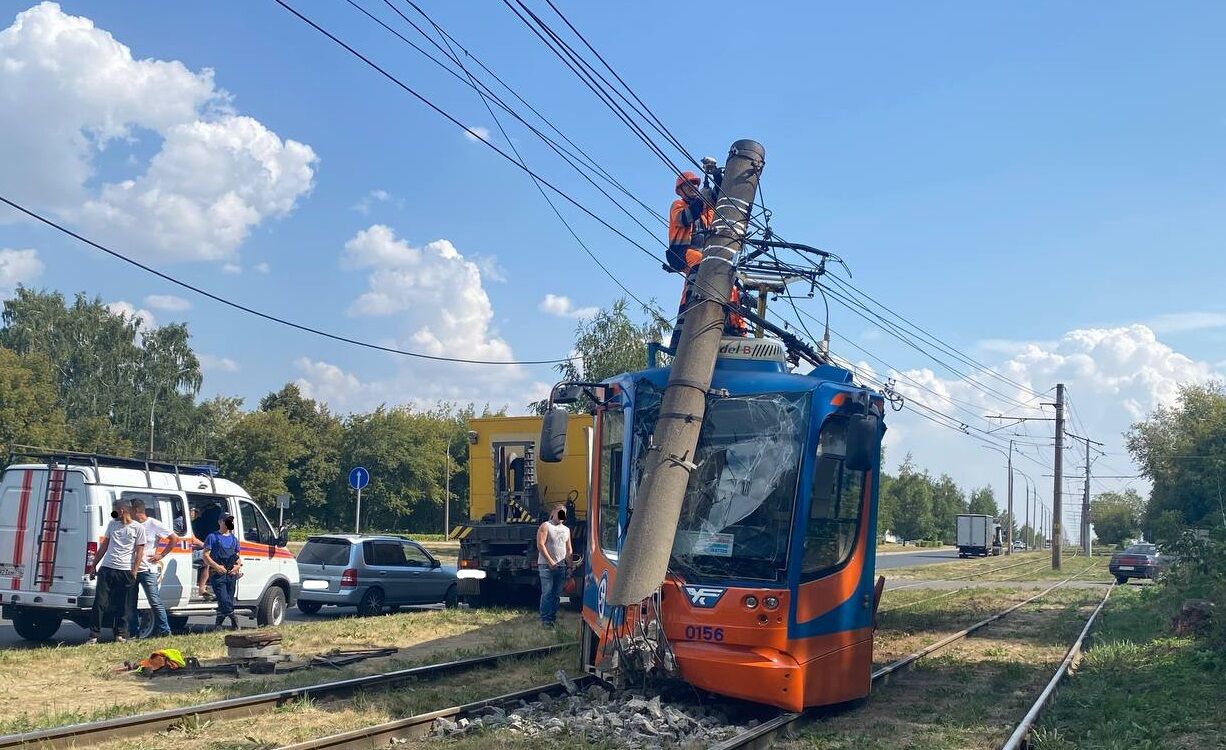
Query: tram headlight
[[751, 602], [771, 602]]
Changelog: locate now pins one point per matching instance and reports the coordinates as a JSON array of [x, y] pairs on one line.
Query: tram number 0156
[[703, 633]]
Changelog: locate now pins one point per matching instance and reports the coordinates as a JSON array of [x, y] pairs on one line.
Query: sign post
[[359, 477], [282, 504]]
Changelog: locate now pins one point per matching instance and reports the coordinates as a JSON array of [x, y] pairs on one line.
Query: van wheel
[[1121, 580], [309, 608], [178, 624], [372, 602], [271, 610], [36, 626], [145, 623], [453, 597]]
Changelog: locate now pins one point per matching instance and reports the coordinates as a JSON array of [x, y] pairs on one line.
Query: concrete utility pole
[[669, 461], [1009, 524], [1057, 526], [1086, 547]]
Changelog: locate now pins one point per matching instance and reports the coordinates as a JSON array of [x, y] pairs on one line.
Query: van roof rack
[[191, 466]]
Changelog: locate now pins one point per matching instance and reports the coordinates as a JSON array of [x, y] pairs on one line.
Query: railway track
[[82, 735], [769, 732], [1018, 576]]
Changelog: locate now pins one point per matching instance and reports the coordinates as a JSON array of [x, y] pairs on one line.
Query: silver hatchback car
[[373, 573]]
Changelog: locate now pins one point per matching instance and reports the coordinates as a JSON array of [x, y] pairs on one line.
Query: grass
[[305, 720], [1139, 687], [969, 694], [54, 686], [1005, 568]]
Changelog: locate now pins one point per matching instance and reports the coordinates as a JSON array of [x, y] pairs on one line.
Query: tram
[[770, 595]]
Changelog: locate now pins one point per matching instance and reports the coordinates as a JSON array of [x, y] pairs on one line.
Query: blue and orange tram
[[770, 595]]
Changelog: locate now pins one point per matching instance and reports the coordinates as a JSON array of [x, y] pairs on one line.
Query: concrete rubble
[[624, 719]]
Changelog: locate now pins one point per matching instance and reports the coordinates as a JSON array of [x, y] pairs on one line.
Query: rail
[[766, 734], [381, 735], [1018, 738], [80, 735]]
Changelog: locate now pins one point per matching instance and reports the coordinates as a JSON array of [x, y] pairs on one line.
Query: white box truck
[[978, 536], [55, 506]]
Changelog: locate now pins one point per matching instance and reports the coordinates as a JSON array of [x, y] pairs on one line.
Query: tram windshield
[[737, 513]]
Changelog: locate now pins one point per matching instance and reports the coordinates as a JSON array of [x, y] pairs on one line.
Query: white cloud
[[367, 201], [437, 296], [561, 306], [167, 302], [262, 267], [69, 90], [18, 267], [214, 363], [1113, 376], [231, 268], [479, 133], [132, 312], [1188, 321]]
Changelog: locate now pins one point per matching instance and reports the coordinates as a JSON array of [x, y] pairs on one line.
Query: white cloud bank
[[1114, 377], [438, 298], [562, 307], [130, 311], [69, 90], [18, 267], [167, 303], [214, 363]]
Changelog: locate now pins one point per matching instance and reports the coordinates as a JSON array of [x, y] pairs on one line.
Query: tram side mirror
[[566, 393], [553, 435], [861, 441]]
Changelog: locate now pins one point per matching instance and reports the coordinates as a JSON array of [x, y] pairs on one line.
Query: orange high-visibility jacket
[[683, 219]]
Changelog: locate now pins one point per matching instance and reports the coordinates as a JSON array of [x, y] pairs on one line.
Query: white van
[[53, 514]]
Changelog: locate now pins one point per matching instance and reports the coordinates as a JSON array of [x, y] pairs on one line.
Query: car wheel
[[453, 597], [36, 626], [271, 611], [372, 602], [144, 623], [1121, 579], [308, 608]]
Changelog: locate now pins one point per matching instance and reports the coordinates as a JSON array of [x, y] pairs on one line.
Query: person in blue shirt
[[225, 567]]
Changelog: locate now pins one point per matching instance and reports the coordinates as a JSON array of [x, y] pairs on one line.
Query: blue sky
[[1004, 175]]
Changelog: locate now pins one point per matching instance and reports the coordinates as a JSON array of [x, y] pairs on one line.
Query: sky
[[1039, 186]]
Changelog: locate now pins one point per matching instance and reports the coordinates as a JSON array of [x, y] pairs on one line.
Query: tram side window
[[835, 504], [612, 430]]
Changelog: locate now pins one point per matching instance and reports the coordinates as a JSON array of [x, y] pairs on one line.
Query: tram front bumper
[[758, 674]]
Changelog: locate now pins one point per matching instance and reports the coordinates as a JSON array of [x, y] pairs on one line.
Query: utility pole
[[1009, 523], [668, 463], [1028, 542], [1086, 548], [1057, 526]]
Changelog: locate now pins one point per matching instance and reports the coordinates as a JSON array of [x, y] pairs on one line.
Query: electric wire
[[268, 316]]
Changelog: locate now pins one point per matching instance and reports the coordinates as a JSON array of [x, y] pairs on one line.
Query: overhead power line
[[267, 316]]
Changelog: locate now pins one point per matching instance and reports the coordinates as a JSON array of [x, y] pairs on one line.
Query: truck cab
[[54, 510]]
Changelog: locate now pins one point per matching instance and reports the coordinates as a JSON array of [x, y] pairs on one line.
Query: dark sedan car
[[1137, 561]]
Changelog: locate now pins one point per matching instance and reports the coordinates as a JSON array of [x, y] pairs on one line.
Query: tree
[[912, 496], [258, 452], [316, 470], [607, 345], [983, 502], [29, 409], [947, 502], [1117, 516], [1182, 450], [107, 366]]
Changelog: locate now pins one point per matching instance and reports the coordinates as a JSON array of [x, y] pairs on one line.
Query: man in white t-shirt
[[119, 559], [149, 577], [553, 562]]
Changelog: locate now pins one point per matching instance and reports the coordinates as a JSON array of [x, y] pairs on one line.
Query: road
[[918, 557], [71, 634]]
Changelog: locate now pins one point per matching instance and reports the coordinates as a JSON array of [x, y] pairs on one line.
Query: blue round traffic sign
[[359, 477]]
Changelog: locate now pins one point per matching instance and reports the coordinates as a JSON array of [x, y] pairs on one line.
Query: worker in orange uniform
[[689, 220]]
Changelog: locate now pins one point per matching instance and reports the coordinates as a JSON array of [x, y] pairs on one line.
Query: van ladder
[[49, 533]]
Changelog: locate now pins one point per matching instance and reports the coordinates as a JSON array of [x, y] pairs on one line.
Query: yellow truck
[[510, 494]]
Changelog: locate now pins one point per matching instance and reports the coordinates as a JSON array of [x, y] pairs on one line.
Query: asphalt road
[[71, 634], [918, 557]]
